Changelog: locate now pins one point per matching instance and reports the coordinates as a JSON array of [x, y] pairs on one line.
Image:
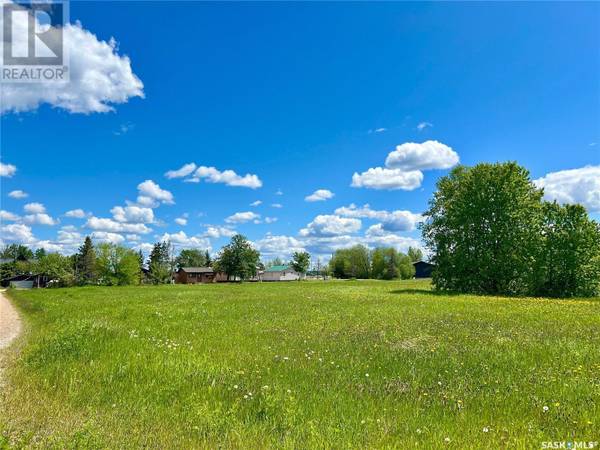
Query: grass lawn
[[355, 364]]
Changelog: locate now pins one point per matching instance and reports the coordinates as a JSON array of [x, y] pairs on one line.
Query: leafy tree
[[17, 252], [140, 256], [238, 259], [39, 253], [117, 265], [301, 262], [353, 262], [85, 263], [58, 268], [191, 258], [570, 262], [405, 267], [415, 254], [388, 264], [160, 265], [483, 228]]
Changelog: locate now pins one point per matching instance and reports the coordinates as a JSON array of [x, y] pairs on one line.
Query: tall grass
[[362, 364]]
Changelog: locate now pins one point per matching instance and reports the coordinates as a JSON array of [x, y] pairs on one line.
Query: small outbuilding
[[423, 269], [280, 273], [193, 275]]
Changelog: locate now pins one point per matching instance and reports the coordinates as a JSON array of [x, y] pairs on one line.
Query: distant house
[[423, 269], [193, 275], [280, 273]]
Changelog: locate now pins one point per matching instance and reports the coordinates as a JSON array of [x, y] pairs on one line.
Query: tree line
[[382, 263], [489, 231], [115, 265]]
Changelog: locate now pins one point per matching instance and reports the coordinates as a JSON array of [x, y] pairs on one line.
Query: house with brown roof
[[193, 275]]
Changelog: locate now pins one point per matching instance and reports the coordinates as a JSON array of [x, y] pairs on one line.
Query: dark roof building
[[423, 269]]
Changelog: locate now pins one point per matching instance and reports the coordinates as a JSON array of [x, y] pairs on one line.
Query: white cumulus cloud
[[76, 213], [133, 214], [8, 216], [228, 177], [18, 194], [242, 217], [99, 78], [151, 194], [573, 186], [183, 171], [180, 239], [399, 220], [319, 195], [331, 225], [425, 156], [34, 208], [390, 179], [110, 225], [7, 170]]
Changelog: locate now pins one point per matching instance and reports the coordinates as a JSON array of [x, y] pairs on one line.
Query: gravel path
[[10, 323]]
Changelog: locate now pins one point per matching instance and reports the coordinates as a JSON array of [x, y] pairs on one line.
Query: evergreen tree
[[85, 268], [160, 265]]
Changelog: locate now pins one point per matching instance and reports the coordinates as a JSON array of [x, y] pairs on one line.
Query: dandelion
[[245, 396], [367, 375], [447, 439], [486, 429], [439, 383], [362, 422], [419, 431], [289, 391], [545, 408], [235, 386], [557, 404]]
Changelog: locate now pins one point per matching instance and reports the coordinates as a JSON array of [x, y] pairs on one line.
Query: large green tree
[[483, 228], [569, 264], [161, 264], [353, 262], [415, 254], [58, 268], [301, 262], [85, 262], [16, 252], [117, 265], [191, 258], [387, 264], [238, 259]]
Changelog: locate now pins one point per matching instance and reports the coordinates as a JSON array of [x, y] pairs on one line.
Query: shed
[[423, 269]]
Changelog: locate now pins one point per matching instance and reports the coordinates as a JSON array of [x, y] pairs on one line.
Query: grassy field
[[356, 364]]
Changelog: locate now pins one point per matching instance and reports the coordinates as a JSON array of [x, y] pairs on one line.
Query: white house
[[280, 273]]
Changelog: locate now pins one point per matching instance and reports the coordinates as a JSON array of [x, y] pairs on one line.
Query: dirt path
[[10, 323]]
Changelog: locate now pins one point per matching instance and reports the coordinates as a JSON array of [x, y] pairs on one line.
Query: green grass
[[359, 364]]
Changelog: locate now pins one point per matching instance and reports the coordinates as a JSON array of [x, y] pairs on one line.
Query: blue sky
[[302, 96]]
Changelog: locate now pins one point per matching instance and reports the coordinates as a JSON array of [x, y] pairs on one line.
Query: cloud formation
[[320, 195], [573, 186], [18, 194], [7, 170], [398, 220], [99, 78], [404, 166], [331, 225], [242, 217], [388, 179], [214, 175]]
